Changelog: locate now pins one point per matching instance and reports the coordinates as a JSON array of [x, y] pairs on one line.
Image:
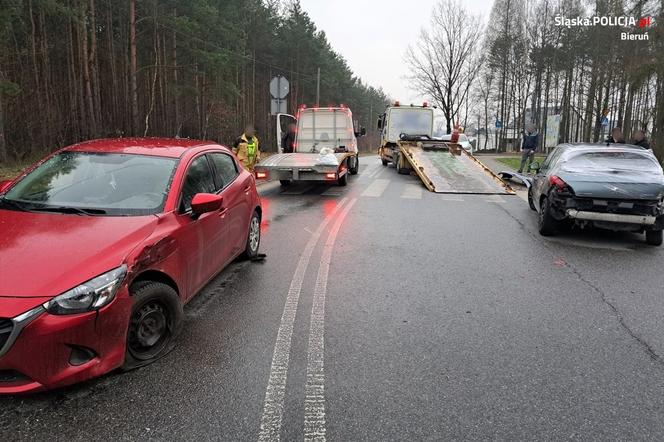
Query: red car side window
[[225, 169], [198, 180]]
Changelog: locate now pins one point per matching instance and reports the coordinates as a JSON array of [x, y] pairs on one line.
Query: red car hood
[[44, 254]]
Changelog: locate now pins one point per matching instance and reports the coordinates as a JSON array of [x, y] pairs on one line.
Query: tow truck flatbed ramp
[[443, 172], [299, 159]]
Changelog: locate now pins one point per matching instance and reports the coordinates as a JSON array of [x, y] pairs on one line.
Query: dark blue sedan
[[618, 187]]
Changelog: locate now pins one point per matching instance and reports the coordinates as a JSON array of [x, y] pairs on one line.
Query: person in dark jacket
[[528, 147], [288, 140], [640, 139], [616, 136]]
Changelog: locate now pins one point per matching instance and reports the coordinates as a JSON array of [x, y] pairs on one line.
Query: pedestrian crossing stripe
[[412, 191], [376, 188]]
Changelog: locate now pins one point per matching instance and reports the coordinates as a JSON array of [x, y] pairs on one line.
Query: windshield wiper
[[11, 203], [72, 210]]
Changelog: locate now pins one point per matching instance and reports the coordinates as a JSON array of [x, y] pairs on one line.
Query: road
[[438, 316]]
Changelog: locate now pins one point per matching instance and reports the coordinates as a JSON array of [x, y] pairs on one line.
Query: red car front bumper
[[56, 350]]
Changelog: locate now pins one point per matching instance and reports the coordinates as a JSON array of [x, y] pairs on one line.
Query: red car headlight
[[89, 296]]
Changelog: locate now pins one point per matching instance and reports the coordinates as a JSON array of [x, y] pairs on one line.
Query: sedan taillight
[[558, 183]]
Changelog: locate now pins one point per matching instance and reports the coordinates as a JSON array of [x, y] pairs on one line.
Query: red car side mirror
[[4, 185], [205, 202]]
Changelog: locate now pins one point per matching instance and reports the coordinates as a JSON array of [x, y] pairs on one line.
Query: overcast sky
[[374, 35]]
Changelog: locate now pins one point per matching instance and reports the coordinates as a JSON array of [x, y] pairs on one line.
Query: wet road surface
[[384, 312]]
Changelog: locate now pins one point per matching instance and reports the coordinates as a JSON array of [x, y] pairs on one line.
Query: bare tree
[[442, 63]]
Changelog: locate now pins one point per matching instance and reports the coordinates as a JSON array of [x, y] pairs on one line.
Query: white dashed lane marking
[[273, 408]]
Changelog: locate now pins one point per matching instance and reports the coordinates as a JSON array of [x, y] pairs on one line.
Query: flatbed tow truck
[[325, 148], [443, 166]]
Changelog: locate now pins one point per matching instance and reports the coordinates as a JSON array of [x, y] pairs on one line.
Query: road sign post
[[279, 88]]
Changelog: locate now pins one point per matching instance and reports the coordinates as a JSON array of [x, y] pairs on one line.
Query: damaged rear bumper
[[642, 220]]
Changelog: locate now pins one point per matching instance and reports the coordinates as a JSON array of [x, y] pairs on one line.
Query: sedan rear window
[[618, 161], [95, 184]]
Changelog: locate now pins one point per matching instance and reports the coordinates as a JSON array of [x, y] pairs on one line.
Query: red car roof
[[163, 147]]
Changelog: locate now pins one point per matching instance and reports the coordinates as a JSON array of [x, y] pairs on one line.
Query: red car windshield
[[95, 184]]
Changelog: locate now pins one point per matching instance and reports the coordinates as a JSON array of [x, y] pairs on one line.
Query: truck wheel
[[654, 237], [284, 183], [342, 181], [547, 224], [384, 161], [356, 166], [398, 163]]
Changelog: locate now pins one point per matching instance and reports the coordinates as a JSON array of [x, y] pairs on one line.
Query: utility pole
[[318, 88]]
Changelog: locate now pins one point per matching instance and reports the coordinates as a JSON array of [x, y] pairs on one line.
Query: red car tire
[[155, 322]]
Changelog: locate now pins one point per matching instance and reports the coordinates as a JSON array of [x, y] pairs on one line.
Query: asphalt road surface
[[384, 312]]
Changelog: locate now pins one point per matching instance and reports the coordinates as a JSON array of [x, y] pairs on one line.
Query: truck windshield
[[324, 128], [415, 121]]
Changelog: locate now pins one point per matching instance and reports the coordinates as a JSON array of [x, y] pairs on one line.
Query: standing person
[[528, 147], [288, 140], [640, 139], [246, 148], [616, 136]]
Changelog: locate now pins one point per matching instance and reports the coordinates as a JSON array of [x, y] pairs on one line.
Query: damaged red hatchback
[[103, 242]]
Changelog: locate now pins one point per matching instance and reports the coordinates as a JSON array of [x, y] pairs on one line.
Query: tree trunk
[[132, 67], [3, 144]]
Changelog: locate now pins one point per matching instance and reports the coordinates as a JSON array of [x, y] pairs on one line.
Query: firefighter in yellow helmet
[[247, 149]]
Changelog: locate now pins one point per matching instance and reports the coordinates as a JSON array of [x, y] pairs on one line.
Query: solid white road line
[[376, 188], [314, 400], [412, 191], [273, 408]]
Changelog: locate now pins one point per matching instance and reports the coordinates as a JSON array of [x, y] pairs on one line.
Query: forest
[[523, 63], [520, 64], [80, 69], [581, 73]]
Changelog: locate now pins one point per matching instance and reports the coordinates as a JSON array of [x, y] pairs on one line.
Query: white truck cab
[[325, 147]]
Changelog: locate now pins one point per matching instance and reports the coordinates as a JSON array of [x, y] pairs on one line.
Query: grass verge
[[515, 162]]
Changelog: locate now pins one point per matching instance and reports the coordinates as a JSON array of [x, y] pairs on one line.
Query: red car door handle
[[247, 189]]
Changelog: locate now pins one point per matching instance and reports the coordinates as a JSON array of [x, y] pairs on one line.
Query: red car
[[101, 245]]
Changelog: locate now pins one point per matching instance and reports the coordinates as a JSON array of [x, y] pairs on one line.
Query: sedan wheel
[[155, 322], [654, 237], [254, 237], [530, 199], [547, 223]]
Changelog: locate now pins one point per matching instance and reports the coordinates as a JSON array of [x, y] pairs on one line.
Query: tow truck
[[325, 148], [443, 166]]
